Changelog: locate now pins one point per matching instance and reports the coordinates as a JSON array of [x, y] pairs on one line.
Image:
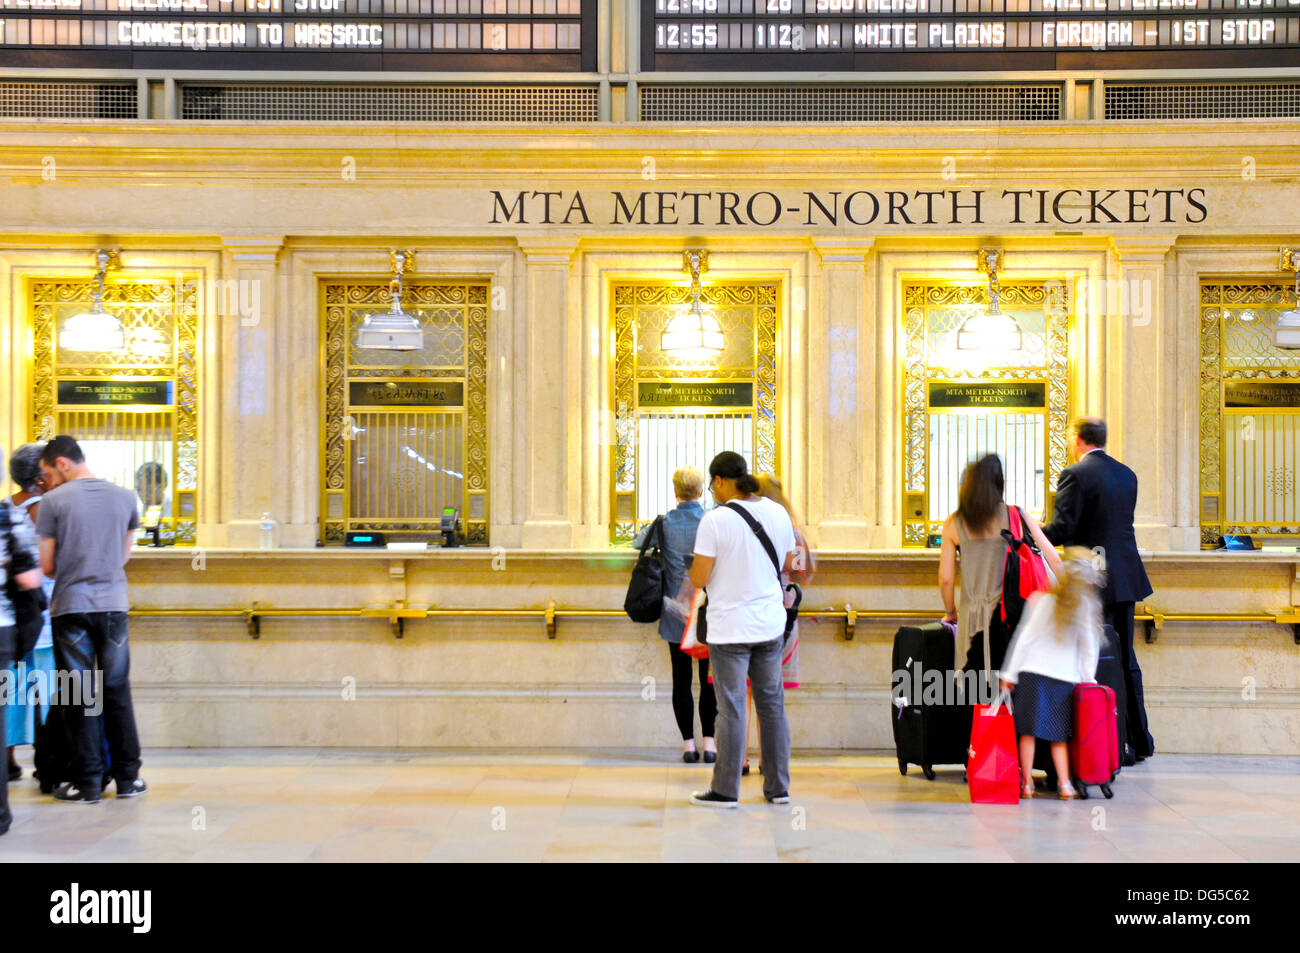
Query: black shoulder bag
[[28, 604], [792, 611], [645, 592]]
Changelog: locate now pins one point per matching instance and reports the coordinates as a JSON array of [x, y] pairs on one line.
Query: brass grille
[[393, 466], [407, 466], [650, 443], [1249, 454], [938, 444], [159, 316], [956, 439], [667, 442]]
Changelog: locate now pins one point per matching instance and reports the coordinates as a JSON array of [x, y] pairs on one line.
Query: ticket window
[[961, 403], [406, 431], [134, 410], [674, 411], [1250, 415]]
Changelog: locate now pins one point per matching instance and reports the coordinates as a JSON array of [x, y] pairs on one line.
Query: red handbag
[[1029, 568], [994, 767]]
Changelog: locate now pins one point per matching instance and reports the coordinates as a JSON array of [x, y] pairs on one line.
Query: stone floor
[[365, 805]]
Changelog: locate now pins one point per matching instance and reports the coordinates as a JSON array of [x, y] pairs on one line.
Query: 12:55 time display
[[686, 36]]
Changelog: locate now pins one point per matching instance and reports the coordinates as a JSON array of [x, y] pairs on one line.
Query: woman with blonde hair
[[1055, 649], [800, 573], [679, 528]]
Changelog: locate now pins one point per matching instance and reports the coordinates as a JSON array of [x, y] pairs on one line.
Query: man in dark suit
[[1095, 500]]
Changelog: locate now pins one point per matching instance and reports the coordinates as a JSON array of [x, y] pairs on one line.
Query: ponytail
[[732, 466]]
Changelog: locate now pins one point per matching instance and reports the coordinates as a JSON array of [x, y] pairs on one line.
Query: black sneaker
[[71, 792], [782, 798], [134, 789], [707, 798]]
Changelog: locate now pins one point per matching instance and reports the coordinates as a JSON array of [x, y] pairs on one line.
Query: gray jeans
[[761, 662]]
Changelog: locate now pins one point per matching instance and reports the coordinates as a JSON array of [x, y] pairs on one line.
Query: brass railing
[[1151, 618]]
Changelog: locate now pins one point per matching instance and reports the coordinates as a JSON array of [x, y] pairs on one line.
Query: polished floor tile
[[348, 805]]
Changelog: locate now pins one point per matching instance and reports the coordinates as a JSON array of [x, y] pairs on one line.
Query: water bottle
[[266, 532]]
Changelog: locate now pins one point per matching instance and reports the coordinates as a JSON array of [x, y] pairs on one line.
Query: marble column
[[546, 392], [250, 473], [1142, 381], [839, 397]]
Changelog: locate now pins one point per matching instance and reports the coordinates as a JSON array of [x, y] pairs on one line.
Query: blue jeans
[[87, 643], [761, 663]]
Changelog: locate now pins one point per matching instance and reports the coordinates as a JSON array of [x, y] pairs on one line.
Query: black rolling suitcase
[[926, 733], [53, 759], [1110, 672]]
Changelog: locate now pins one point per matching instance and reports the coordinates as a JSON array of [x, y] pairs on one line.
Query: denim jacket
[[680, 526]]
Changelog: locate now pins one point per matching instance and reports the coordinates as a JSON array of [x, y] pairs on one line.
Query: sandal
[[1028, 790], [1066, 792]]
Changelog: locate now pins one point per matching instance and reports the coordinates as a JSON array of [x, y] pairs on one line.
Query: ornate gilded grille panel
[[405, 432], [134, 413], [1249, 413], [932, 316], [649, 439]]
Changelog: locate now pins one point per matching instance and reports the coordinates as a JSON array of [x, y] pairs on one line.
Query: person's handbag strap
[[761, 534], [656, 529]]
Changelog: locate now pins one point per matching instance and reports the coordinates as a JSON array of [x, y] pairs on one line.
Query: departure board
[[870, 35], [348, 35]]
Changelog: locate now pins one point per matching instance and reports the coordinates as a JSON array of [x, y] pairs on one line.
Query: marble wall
[[283, 206], [1225, 687]]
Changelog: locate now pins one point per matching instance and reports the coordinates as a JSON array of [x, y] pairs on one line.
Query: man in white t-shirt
[[746, 622]]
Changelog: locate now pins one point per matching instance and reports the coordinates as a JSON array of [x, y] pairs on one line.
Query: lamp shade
[[1286, 333], [990, 332], [394, 330], [93, 330], [692, 333]]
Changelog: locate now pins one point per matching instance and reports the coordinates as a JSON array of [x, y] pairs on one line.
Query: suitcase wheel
[[1105, 789], [902, 767], [1082, 789], [928, 772]]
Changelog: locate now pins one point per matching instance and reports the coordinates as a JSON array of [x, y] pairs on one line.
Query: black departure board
[[903, 35], [343, 35]]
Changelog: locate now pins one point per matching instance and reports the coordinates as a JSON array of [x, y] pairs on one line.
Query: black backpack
[[645, 591]]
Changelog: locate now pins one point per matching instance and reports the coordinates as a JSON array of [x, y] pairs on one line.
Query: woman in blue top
[[680, 525]]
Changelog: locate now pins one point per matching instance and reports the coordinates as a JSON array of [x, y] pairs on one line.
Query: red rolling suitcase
[[1094, 746]]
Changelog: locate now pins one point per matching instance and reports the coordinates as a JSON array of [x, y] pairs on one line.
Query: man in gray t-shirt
[[87, 527]]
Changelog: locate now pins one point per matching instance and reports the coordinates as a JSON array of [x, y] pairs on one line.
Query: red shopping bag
[[994, 767]]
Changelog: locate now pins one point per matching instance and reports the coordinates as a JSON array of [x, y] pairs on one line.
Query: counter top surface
[[627, 555]]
